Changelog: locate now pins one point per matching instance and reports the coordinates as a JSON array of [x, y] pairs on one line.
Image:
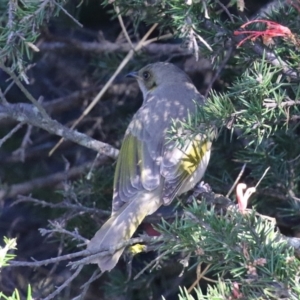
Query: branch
[[66, 103], [46, 181], [102, 251], [27, 94], [10, 134], [127, 58], [271, 103], [109, 47], [269, 8], [26, 113], [220, 203], [63, 204], [57, 228], [64, 285]]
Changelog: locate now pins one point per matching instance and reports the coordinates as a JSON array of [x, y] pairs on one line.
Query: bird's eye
[[146, 75]]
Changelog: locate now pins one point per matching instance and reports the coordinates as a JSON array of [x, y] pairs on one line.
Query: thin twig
[[68, 14], [12, 8], [94, 277], [226, 10], [117, 9], [8, 87], [199, 276], [23, 112], [51, 180], [25, 91], [69, 44], [20, 152], [209, 279], [90, 173], [159, 38], [86, 286], [262, 177], [270, 103], [108, 83], [45, 262], [75, 235], [64, 285], [90, 254], [218, 72], [64, 204], [10, 134], [154, 261], [3, 99], [237, 180]]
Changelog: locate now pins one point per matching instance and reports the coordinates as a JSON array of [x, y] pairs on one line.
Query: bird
[[152, 167]]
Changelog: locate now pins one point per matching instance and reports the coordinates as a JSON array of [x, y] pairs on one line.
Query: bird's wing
[[181, 163], [146, 161], [139, 159]]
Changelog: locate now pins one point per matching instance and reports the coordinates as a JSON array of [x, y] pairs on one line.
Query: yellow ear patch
[[193, 156]]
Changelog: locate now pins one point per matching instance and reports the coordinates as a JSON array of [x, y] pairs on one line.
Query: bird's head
[[158, 75]]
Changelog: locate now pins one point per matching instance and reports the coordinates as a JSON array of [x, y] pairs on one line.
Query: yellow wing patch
[[193, 156]]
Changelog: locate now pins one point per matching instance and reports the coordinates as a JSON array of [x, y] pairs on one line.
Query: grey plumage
[[150, 171]]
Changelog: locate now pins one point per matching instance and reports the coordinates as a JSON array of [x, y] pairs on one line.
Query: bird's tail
[[121, 226]]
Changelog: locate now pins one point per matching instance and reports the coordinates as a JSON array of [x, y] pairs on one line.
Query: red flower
[[273, 30]]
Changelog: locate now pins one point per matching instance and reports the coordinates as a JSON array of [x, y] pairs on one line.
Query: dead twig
[[46, 181], [109, 82], [199, 276], [103, 251], [237, 180], [124, 30], [11, 133], [25, 91], [25, 113], [64, 285]]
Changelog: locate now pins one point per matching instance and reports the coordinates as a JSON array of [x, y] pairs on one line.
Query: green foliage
[[19, 27], [261, 108], [256, 103], [5, 257], [16, 295], [240, 249]]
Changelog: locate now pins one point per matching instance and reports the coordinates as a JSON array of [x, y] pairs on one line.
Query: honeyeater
[[152, 168]]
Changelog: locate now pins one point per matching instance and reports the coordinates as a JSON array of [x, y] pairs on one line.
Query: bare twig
[[25, 113], [46, 181], [86, 286], [237, 180], [3, 99], [153, 262], [117, 9], [64, 285], [57, 228], [25, 91], [226, 10], [94, 277], [26, 140], [68, 14], [199, 276], [12, 7], [102, 251], [271, 103], [269, 8], [10, 134], [275, 60], [46, 262], [108, 83], [262, 177], [220, 69], [106, 46]]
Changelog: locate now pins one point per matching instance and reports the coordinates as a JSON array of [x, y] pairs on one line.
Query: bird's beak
[[133, 75]]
